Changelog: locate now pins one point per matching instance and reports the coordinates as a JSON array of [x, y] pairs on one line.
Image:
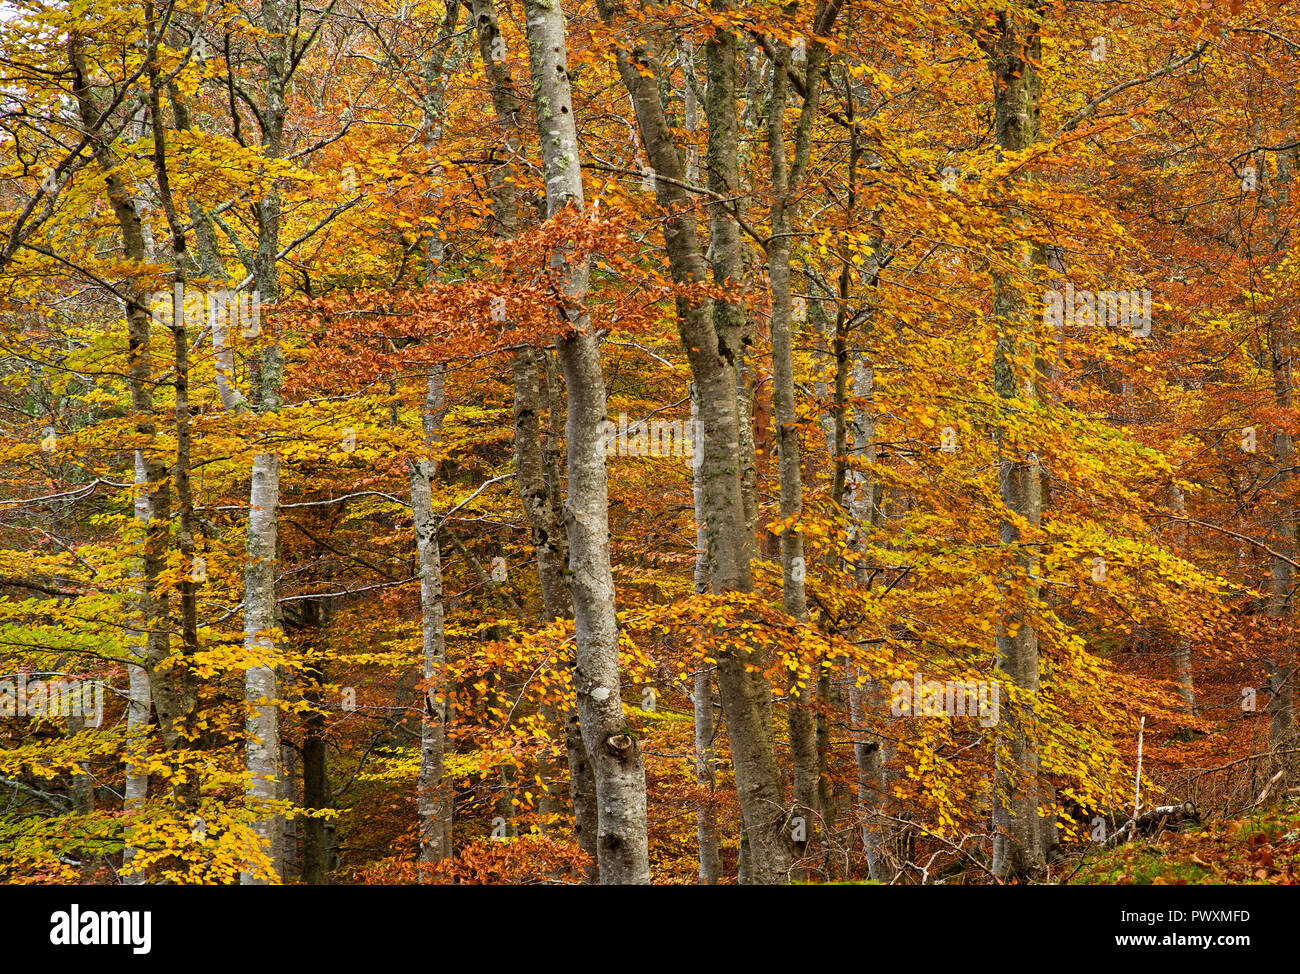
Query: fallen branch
[[1154, 820], [1267, 788]]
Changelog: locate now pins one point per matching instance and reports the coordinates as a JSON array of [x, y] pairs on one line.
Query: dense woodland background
[[536, 442]]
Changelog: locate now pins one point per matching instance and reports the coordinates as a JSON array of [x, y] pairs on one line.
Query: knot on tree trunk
[[621, 746]]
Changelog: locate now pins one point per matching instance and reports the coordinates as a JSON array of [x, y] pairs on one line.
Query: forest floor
[[1257, 849]]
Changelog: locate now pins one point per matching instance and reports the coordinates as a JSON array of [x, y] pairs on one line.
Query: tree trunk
[[139, 699], [612, 748], [433, 801], [786, 177], [1281, 665], [260, 685], [151, 643], [535, 476], [866, 692], [1182, 653], [1014, 49], [315, 756], [193, 571], [263, 748], [706, 819], [712, 343]]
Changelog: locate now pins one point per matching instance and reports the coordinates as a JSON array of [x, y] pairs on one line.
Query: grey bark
[[209, 259], [149, 634], [1182, 652], [712, 340], [706, 819], [260, 691], [260, 685], [1281, 664], [140, 697], [536, 476], [871, 752], [1014, 49], [433, 802], [612, 748], [786, 178]]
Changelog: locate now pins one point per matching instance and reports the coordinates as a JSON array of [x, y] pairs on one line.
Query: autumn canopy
[[568, 441]]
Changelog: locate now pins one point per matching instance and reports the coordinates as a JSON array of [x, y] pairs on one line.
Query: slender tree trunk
[[866, 692], [151, 642], [261, 693], [612, 748], [582, 792], [433, 801], [834, 422], [712, 340], [706, 819], [549, 544], [582, 784], [832, 792], [853, 487], [434, 806], [1182, 653], [865, 698], [1014, 49], [139, 700], [1281, 665], [535, 476], [263, 748], [209, 255], [316, 793], [192, 571], [786, 176], [733, 263]]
